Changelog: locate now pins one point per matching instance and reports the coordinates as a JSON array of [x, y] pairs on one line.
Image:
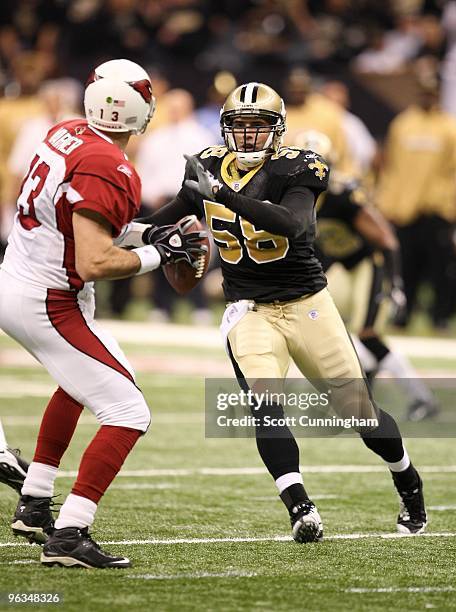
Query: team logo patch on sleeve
[[320, 169], [125, 169]]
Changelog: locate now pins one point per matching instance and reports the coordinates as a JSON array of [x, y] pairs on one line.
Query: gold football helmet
[[252, 121]]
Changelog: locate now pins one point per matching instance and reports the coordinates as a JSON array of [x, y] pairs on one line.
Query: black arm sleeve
[[291, 218], [172, 212], [393, 268]]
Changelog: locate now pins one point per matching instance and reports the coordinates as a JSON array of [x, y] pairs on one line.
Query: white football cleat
[[13, 469], [306, 523]]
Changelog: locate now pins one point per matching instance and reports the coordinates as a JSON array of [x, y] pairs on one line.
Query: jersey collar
[[98, 133], [232, 177]]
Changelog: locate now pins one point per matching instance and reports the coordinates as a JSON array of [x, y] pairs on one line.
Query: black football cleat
[[73, 547], [306, 523], [33, 519], [412, 517], [419, 410], [13, 469]]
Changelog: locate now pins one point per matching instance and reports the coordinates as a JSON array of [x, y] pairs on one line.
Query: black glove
[[154, 232], [174, 244]]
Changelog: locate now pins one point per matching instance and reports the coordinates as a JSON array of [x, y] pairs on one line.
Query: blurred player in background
[[80, 194], [361, 259], [308, 109], [417, 192], [258, 199], [22, 104]]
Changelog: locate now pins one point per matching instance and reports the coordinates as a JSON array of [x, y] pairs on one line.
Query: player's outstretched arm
[[181, 206], [291, 218], [97, 257]]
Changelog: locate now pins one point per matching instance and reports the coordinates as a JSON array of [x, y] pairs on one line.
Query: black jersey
[[337, 238], [258, 264]]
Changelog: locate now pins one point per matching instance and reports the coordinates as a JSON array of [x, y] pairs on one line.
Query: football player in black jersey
[[258, 200], [360, 257]]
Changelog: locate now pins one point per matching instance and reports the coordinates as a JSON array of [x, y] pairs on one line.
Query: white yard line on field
[[170, 418], [441, 508], [145, 485], [254, 471], [269, 498], [425, 589], [240, 540], [196, 575], [185, 335]]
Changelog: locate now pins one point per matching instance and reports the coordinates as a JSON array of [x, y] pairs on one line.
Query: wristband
[[150, 258]]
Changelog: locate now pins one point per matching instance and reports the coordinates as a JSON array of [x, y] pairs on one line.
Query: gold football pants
[[310, 331], [358, 295]]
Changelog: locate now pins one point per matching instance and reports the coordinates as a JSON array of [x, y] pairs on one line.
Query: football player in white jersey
[[75, 209]]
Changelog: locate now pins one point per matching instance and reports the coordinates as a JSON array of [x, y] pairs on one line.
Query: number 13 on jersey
[[262, 247]]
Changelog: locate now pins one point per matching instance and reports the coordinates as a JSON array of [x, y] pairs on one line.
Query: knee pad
[[133, 413], [350, 399]]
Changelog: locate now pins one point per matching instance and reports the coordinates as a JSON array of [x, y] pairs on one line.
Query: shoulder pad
[[217, 151], [291, 161]]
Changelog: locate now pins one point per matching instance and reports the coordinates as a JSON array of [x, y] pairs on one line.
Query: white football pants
[[57, 327]]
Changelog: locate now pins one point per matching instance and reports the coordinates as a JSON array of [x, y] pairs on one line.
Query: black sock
[[294, 494], [376, 347], [386, 439], [408, 480], [276, 444]]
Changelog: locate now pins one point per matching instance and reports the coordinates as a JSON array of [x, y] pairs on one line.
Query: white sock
[[406, 376], [368, 360], [3, 443], [39, 481], [76, 511], [400, 466], [285, 481]]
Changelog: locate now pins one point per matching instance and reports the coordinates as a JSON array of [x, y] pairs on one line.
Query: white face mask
[[242, 139]]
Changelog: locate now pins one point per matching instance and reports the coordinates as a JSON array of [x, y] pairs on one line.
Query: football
[[181, 275]]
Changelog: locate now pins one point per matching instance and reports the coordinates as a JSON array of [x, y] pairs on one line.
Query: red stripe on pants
[[63, 311]]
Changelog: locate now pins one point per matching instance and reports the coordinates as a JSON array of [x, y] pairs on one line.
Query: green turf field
[[205, 533]]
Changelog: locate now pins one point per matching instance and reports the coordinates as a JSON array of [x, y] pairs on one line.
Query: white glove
[[206, 185]]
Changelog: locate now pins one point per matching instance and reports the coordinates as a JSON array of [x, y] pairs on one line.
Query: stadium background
[[180, 494]]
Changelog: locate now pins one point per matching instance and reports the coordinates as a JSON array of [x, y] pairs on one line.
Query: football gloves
[[398, 299], [174, 243], [206, 184]]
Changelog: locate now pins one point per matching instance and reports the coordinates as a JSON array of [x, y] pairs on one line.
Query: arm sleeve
[[393, 267], [173, 211], [291, 218], [342, 207]]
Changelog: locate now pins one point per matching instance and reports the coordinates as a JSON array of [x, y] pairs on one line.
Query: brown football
[[181, 275]]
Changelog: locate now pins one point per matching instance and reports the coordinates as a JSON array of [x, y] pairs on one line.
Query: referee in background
[[417, 192]]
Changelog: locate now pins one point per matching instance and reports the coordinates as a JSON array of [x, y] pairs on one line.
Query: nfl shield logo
[[236, 186]]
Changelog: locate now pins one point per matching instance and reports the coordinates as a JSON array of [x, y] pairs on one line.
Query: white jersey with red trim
[[75, 167]]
